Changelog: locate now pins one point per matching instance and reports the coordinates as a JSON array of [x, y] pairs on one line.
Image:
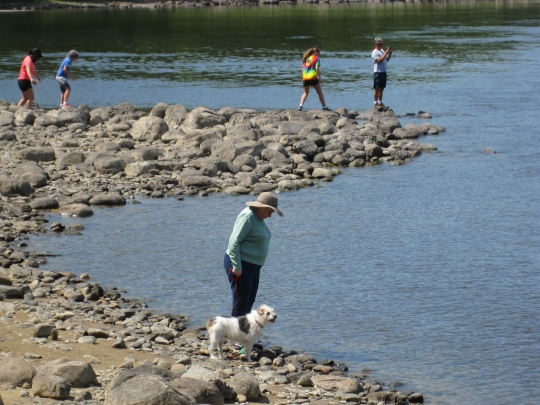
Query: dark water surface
[[426, 273]]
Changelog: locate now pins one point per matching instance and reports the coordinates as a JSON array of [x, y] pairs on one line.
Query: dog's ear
[[260, 310]]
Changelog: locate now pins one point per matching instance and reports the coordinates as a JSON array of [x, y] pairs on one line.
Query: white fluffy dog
[[244, 329]]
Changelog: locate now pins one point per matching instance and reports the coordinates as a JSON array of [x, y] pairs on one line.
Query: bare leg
[[27, 98], [65, 95], [318, 89], [304, 96]]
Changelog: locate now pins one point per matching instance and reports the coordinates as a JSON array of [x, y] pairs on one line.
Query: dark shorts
[[63, 82], [311, 83], [25, 85], [379, 80]]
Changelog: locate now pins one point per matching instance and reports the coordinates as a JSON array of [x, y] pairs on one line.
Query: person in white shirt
[[380, 60]]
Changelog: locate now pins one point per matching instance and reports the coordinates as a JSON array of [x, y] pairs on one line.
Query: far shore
[[33, 5]]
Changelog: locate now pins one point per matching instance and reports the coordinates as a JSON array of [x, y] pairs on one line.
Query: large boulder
[[37, 154], [148, 129], [138, 168], [159, 110], [99, 116], [224, 150], [144, 154], [246, 384], [108, 199], [387, 397], [203, 374], [65, 118], [6, 118], [109, 163], [44, 203], [202, 117], [31, 172], [145, 369], [24, 116], [71, 158], [147, 390], [203, 392], [77, 210], [198, 181], [50, 386], [78, 373], [46, 120], [175, 115], [12, 187], [336, 383], [10, 292], [16, 371]]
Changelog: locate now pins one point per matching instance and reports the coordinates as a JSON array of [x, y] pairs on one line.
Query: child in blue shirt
[[62, 77]]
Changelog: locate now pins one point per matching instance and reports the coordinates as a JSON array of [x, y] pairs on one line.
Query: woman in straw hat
[[247, 251]]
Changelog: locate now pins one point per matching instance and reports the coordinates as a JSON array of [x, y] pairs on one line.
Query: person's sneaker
[[66, 105], [300, 108], [326, 109], [241, 351]]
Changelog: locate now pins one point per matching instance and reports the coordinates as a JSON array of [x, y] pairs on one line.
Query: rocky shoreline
[[64, 337]]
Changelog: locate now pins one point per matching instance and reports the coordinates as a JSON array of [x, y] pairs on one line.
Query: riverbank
[[70, 160], [33, 5]]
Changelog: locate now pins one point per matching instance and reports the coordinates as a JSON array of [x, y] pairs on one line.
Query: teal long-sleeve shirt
[[249, 240]]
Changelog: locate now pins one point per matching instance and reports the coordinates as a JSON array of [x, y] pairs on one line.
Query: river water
[[427, 274]]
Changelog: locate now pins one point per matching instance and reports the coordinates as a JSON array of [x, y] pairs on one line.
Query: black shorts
[[25, 84], [379, 80], [311, 83], [63, 82]]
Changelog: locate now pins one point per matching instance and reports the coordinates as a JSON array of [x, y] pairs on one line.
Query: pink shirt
[[23, 75]]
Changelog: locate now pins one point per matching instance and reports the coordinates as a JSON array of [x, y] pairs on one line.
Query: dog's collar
[[262, 327]]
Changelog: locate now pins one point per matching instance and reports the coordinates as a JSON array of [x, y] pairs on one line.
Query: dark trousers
[[243, 288]]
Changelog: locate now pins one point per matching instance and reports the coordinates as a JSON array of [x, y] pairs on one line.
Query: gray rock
[[159, 110], [108, 199], [87, 340], [105, 163], [13, 187], [65, 118], [373, 150], [44, 203], [78, 373], [388, 397], [203, 392], [389, 124], [44, 330], [416, 398], [37, 154], [147, 390], [202, 117], [322, 173], [245, 160], [149, 129], [175, 115], [291, 128], [307, 147], [99, 116], [46, 120], [6, 118], [336, 383], [145, 369], [79, 210], [16, 371], [144, 154], [225, 150], [107, 146], [198, 181], [246, 384], [71, 158], [24, 116], [50, 386], [138, 168]]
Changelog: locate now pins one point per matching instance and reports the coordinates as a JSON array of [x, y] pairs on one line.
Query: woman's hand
[[237, 272]]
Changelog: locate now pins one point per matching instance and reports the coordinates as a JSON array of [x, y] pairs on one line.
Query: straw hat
[[266, 200]]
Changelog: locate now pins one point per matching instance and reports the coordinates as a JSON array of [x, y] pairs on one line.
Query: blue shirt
[[65, 63]]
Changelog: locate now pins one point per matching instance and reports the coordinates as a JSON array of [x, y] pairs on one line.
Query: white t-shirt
[[378, 67]]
